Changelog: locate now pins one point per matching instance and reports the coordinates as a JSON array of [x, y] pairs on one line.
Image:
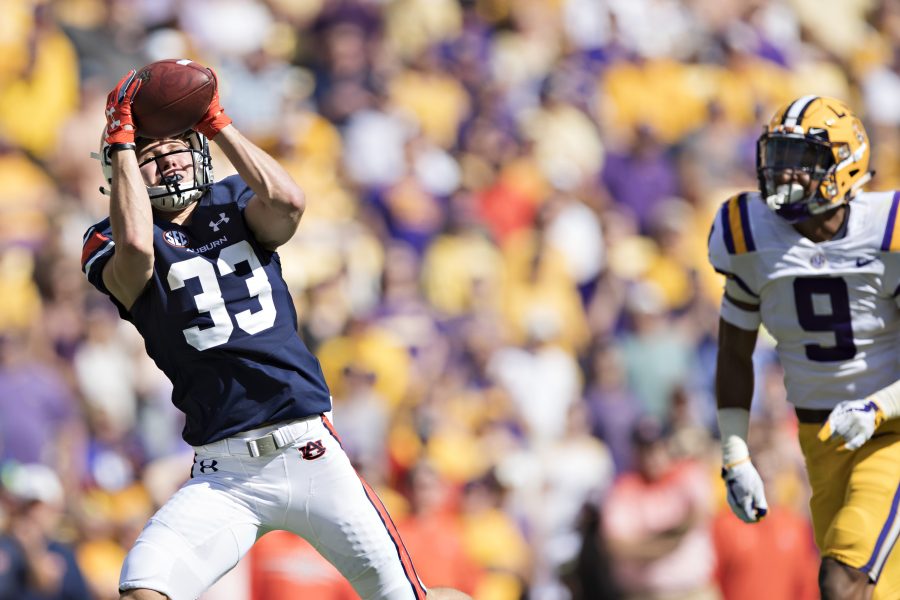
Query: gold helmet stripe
[[794, 113]]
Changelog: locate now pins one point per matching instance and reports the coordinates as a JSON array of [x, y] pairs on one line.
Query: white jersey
[[832, 307]]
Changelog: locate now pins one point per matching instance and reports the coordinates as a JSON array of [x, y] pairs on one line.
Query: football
[[173, 96]]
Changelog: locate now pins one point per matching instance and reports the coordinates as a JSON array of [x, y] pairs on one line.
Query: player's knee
[[849, 529], [142, 595], [838, 581], [849, 538]]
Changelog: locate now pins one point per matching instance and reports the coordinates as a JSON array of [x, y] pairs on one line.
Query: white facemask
[[785, 193]]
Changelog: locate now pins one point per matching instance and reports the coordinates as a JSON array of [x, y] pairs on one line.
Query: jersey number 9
[[836, 321]]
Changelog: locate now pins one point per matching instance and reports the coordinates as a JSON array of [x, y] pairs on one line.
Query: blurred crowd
[[502, 269]]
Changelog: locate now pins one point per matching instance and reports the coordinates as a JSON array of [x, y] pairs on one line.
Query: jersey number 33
[[210, 299]]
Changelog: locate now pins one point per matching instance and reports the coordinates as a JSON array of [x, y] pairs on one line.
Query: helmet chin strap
[[785, 193], [169, 197]]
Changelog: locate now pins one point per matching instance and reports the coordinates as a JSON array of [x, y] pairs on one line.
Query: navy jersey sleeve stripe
[[87, 234], [96, 245], [102, 251]]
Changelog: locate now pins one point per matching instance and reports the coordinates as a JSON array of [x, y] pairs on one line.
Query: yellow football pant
[[854, 503]]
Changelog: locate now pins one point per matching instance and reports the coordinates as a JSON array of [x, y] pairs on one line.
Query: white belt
[[276, 438]]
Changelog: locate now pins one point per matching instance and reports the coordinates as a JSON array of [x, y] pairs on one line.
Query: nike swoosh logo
[[861, 262]]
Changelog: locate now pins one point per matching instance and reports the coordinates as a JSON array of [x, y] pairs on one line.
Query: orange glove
[[215, 118], [120, 129]]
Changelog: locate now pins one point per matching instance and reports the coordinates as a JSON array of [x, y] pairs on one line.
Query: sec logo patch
[[175, 238]]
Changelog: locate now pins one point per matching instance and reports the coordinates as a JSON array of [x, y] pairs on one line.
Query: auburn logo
[[312, 450]]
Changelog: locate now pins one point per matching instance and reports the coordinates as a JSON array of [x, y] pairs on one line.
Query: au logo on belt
[[312, 450]]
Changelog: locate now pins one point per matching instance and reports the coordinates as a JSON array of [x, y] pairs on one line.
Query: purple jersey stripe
[[726, 229], [745, 223], [892, 221]]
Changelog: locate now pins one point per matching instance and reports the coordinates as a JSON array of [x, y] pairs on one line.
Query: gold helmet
[[822, 137]]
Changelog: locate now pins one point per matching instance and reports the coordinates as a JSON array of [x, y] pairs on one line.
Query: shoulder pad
[[231, 190], [736, 231], [891, 240]]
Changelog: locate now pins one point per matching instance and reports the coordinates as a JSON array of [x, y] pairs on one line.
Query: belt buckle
[[272, 441], [279, 438], [262, 445]]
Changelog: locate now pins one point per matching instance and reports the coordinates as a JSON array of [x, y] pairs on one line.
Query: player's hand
[[853, 420], [746, 495], [215, 118], [119, 122]]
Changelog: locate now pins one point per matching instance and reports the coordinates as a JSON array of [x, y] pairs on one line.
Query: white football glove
[[746, 495], [853, 420]]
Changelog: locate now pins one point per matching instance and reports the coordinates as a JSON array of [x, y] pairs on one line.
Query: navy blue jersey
[[218, 319]]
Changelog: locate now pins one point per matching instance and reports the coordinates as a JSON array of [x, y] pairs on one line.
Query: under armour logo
[[312, 450], [207, 465], [222, 219]]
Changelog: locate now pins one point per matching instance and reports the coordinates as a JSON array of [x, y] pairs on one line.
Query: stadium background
[[501, 269]]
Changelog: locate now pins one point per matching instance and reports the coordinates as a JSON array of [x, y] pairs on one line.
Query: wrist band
[[733, 426], [113, 148], [888, 399]]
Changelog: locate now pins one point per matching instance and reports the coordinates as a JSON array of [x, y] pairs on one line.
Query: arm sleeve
[[745, 315]]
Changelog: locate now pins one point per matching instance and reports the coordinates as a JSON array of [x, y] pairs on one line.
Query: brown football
[[173, 96]]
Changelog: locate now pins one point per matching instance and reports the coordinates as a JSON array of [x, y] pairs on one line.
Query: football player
[[192, 263], [816, 260]]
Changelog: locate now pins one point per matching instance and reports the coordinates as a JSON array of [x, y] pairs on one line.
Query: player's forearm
[[269, 180], [131, 218], [130, 213], [734, 367], [734, 390]]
